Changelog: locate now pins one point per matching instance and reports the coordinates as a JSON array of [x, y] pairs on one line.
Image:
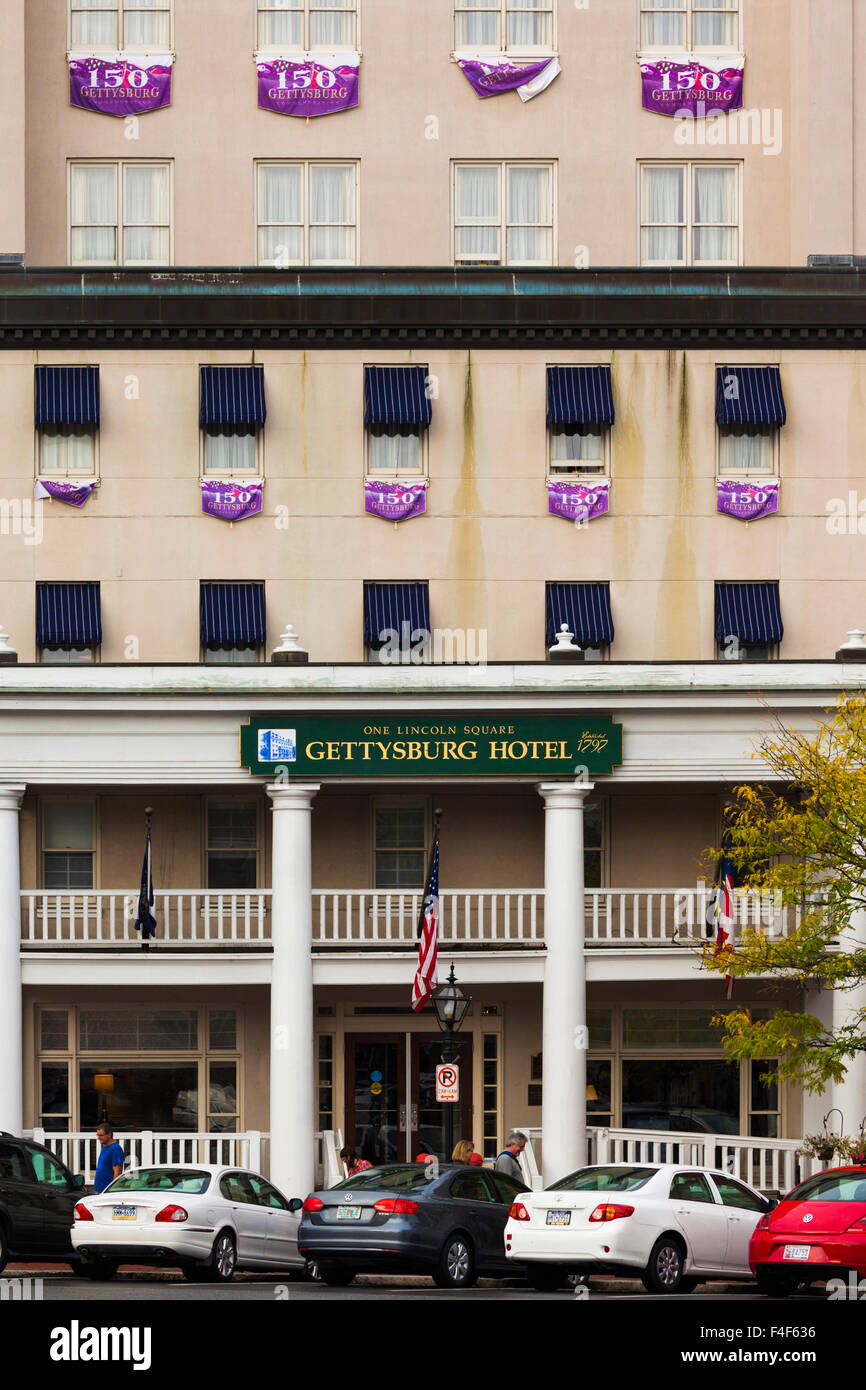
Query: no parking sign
[[447, 1081]]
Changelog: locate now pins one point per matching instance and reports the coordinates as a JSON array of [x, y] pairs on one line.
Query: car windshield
[[191, 1181], [403, 1177], [831, 1187], [604, 1180]]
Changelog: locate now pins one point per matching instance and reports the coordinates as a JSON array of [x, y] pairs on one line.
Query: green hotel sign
[[315, 746]]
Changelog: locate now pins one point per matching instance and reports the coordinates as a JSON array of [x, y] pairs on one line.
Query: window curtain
[[281, 24], [332, 203], [477, 24], [147, 24], [94, 24], [145, 232], [332, 24], [231, 449], [715, 23], [477, 197], [94, 213], [715, 201], [65, 449], [394, 453], [281, 213], [584, 444], [663, 203], [745, 450], [529, 201], [530, 25], [663, 24]]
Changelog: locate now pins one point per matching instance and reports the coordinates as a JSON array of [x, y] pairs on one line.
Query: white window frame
[[215, 800], [504, 7], [254, 474], [503, 166], [307, 165], [95, 852], [688, 226], [120, 7], [52, 475], [384, 802], [748, 475], [305, 46], [120, 166], [402, 475], [565, 470], [688, 45]]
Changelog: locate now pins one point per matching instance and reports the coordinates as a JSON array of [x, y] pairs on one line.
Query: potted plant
[[821, 1146], [854, 1150]]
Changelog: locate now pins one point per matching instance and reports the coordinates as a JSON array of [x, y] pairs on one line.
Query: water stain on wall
[[676, 634], [465, 564]]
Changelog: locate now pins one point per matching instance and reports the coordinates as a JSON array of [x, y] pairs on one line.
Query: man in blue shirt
[[109, 1165]]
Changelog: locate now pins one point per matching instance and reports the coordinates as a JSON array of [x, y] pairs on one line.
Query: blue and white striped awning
[[579, 396], [749, 612], [68, 615], [396, 399], [67, 396], [749, 396], [232, 396], [585, 608], [388, 606], [233, 615]]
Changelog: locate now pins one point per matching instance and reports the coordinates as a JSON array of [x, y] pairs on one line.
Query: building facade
[[346, 374]]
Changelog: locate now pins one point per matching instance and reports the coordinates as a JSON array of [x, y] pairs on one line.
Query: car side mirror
[[772, 1203], [78, 1180], [295, 1204]]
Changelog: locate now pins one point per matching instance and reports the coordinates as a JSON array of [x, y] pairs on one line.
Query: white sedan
[[670, 1225], [207, 1220]]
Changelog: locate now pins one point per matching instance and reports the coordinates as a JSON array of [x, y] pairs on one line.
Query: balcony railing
[[370, 920]]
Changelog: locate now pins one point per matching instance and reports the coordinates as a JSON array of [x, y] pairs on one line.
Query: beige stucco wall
[[590, 121], [487, 545], [12, 123]]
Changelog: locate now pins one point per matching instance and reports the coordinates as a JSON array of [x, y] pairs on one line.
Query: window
[[747, 449], [54, 1111], [67, 451], [400, 845], [490, 1095], [507, 26], [120, 24], [266, 1196], [13, 1164], [750, 412], [222, 1102], [506, 1188], [691, 1187], [305, 24], [231, 451], [54, 1030], [670, 24], [514, 229], [232, 845], [470, 1187], [119, 214], [48, 1171], [307, 214], [68, 623], [733, 1194], [765, 1100], [748, 622], [67, 656], [325, 1092], [586, 612], [138, 1030], [690, 214], [580, 452], [223, 1030], [235, 1187], [233, 628], [397, 414], [599, 1111], [68, 845]]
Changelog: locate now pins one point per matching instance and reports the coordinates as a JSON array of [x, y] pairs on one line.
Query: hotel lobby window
[[232, 845]]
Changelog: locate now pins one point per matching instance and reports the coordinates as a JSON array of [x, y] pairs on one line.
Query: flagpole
[[437, 816], [148, 817]]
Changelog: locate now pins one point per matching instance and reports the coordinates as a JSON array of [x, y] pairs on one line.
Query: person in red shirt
[[354, 1164]]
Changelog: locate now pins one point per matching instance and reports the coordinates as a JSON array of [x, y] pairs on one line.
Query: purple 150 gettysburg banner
[[120, 88], [395, 501], [295, 88], [492, 79], [748, 501], [576, 502], [76, 494], [231, 501], [679, 89]]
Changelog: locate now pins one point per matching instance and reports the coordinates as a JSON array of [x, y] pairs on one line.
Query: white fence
[[480, 916], [772, 1165], [79, 1151]]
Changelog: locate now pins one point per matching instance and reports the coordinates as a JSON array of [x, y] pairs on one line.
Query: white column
[[11, 1058], [849, 1094], [564, 1039], [292, 1061]]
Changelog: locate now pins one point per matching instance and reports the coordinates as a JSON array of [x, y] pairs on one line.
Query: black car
[[411, 1218], [37, 1198]]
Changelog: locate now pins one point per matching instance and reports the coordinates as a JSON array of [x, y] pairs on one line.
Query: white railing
[[477, 916], [190, 919], [79, 1151]]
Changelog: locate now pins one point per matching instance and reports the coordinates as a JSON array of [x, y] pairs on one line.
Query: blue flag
[[145, 922]]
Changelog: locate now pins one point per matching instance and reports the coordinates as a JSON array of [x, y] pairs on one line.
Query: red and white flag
[[426, 976]]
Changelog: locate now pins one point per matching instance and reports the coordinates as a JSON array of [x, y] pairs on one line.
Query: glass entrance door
[[391, 1109]]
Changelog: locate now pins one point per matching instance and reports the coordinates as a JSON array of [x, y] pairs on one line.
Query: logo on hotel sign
[[277, 746]]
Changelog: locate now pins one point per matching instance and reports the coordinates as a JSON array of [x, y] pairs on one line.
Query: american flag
[[724, 917], [145, 921], [426, 976]]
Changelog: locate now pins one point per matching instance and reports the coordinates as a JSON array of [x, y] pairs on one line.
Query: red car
[[817, 1232]]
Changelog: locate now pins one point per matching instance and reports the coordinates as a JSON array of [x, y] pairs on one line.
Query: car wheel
[[664, 1271], [336, 1275], [4, 1250], [456, 1268], [545, 1279], [78, 1268], [688, 1285], [774, 1283], [100, 1269], [223, 1258]]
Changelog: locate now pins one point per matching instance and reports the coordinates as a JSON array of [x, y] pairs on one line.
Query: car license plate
[[796, 1252], [123, 1214], [348, 1213], [559, 1218]]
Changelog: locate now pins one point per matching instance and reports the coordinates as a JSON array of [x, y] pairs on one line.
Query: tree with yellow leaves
[[803, 842]]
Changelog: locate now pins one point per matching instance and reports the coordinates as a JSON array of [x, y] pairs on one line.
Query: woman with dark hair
[[354, 1164]]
